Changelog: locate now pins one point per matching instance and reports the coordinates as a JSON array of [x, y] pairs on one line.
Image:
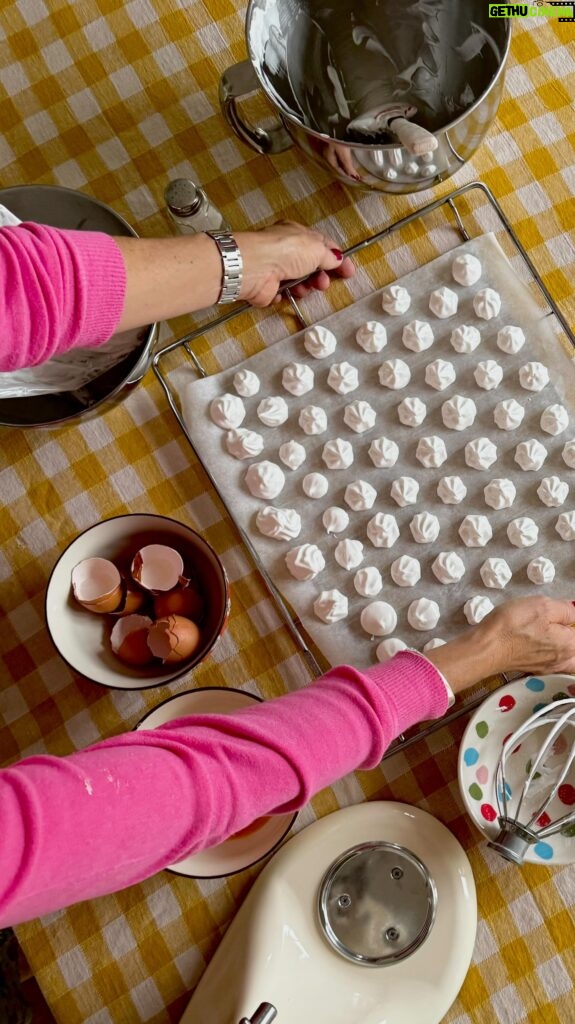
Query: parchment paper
[[346, 641]]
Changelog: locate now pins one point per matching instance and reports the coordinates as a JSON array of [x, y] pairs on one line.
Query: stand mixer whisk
[[525, 818]]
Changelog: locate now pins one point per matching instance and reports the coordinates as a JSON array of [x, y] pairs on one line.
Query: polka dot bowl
[[501, 714]]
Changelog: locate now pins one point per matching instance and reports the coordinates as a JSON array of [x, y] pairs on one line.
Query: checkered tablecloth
[[115, 98]]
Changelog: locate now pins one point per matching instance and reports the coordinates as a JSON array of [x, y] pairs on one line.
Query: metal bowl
[[65, 208]]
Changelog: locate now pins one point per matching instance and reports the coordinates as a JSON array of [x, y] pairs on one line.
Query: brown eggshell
[[157, 567], [185, 601], [173, 638], [97, 585], [132, 601], [129, 639]]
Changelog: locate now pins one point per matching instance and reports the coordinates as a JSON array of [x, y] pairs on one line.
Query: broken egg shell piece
[[173, 638], [129, 639], [157, 568], [186, 601], [97, 585], [133, 599]]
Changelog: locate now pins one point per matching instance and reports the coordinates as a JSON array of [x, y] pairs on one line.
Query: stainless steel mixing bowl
[[384, 95]]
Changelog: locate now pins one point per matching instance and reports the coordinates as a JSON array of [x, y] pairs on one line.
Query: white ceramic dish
[[499, 716], [83, 638], [252, 844]]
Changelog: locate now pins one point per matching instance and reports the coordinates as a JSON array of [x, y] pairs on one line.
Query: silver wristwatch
[[232, 265]]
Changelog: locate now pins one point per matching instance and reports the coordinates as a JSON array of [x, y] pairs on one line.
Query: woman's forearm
[[106, 817]]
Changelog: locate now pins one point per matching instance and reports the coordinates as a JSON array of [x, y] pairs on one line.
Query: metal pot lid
[[65, 208], [377, 904]]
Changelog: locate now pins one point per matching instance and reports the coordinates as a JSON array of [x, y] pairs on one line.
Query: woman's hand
[[285, 252], [531, 634]]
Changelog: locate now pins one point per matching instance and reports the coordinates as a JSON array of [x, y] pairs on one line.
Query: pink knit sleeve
[[58, 289], [106, 817]]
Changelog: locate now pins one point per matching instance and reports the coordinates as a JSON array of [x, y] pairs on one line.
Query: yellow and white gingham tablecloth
[[115, 98]]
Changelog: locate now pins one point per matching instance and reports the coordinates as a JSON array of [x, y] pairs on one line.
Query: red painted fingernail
[[339, 256]]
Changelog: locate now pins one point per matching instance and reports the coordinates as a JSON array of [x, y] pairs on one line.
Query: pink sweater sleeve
[[58, 289], [115, 813]]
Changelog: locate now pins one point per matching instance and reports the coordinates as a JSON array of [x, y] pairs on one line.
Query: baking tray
[[463, 215]]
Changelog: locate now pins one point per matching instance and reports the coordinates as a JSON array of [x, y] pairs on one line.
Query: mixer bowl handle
[[237, 82]]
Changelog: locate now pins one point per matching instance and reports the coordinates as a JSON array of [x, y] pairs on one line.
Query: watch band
[[232, 265]]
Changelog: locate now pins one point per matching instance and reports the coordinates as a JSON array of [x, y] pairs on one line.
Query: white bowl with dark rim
[[257, 840], [82, 638]]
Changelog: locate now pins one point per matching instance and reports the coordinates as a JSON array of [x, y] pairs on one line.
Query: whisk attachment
[[521, 826]]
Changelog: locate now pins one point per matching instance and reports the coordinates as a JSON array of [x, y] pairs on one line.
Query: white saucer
[[248, 847], [499, 716]]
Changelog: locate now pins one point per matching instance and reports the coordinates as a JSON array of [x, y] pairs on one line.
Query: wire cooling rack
[[436, 228]]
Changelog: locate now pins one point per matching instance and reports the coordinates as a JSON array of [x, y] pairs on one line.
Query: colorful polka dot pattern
[[478, 762]]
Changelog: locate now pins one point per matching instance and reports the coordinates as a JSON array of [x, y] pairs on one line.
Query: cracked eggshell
[[97, 585], [157, 568], [173, 638], [186, 601], [129, 640]]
